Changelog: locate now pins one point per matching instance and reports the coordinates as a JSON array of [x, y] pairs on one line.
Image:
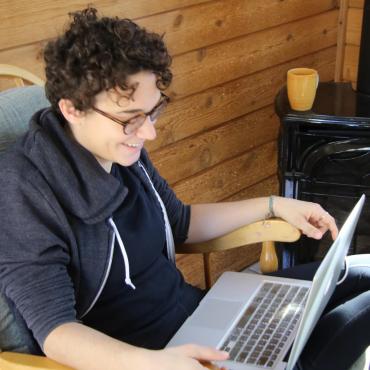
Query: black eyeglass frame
[[129, 127]]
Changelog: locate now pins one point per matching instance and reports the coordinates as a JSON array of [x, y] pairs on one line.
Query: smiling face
[[106, 139]]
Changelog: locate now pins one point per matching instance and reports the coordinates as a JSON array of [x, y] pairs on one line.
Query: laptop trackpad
[[216, 313]]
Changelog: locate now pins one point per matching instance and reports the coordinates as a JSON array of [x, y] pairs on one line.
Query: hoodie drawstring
[[170, 243], [124, 254]]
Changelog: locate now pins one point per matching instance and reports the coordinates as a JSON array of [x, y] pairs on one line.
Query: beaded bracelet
[[271, 212]]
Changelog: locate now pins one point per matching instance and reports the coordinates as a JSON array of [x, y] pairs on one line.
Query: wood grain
[[357, 3], [216, 21], [353, 39], [192, 268], [230, 176], [201, 69], [351, 58], [25, 22], [234, 260], [218, 138], [212, 147], [267, 186], [233, 99], [341, 39], [354, 26]]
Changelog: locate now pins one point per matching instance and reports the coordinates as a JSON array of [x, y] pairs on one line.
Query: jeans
[[343, 332]]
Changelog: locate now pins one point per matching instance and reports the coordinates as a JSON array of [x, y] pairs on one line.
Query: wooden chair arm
[[275, 230], [21, 361], [19, 75], [266, 232]]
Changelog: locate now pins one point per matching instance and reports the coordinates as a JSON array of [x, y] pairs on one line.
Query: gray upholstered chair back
[[16, 108]]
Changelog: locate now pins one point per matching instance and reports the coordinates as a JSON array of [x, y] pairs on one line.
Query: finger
[[309, 229], [203, 353], [327, 222], [210, 366]]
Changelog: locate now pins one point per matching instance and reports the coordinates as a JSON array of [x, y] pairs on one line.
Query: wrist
[[133, 357], [270, 207], [277, 206]]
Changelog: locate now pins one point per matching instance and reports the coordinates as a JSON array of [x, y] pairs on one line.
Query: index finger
[[331, 225]]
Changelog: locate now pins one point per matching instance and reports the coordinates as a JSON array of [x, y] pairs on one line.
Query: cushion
[[16, 108], [14, 334]]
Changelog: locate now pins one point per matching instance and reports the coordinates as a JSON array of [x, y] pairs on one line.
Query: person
[[87, 223]]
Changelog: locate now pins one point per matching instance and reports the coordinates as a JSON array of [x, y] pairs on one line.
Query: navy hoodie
[[55, 200]]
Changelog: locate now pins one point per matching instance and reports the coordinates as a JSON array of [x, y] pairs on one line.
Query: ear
[[70, 113]]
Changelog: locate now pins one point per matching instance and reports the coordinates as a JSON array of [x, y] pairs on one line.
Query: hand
[[187, 357], [309, 217]]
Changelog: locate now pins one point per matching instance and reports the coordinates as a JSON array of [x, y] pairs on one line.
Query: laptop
[[256, 318]]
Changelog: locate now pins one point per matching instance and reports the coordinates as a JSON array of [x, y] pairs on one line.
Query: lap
[[343, 331]]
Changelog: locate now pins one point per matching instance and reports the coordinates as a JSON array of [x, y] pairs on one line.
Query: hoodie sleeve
[[178, 212], [34, 257]]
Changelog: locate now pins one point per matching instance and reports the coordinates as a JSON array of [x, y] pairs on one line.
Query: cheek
[[106, 134]]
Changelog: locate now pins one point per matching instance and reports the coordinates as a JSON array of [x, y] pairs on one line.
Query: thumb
[[202, 353]]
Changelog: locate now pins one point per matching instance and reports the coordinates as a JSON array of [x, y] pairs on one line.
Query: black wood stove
[[324, 156]]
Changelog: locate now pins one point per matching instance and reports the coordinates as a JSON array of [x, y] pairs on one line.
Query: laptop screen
[[324, 282]]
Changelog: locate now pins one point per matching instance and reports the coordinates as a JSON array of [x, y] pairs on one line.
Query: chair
[[266, 232], [19, 75], [13, 122]]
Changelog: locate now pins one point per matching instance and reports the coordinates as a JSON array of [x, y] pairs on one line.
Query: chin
[[128, 161]]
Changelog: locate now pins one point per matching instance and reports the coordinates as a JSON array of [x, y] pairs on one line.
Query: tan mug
[[301, 85]]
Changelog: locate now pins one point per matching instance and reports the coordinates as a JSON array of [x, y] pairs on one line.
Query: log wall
[[352, 40], [218, 139]]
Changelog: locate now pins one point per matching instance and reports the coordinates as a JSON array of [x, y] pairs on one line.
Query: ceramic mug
[[301, 85]]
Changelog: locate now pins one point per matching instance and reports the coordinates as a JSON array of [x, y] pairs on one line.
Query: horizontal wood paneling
[[24, 22], [233, 260], [209, 23], [198, 70], [238, 57], [192, 267], [214, 146], [267, 186], [217, 139], [230, 176], [211, 108]]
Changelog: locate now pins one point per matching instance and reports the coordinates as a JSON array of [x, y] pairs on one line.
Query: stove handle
[[337, 147]]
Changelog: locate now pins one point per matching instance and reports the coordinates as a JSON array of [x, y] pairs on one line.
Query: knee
[[358, 261]]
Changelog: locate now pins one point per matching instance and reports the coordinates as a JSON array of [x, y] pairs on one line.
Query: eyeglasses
[[134, 123]]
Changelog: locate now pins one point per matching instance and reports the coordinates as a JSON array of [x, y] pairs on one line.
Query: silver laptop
[[256, 318]]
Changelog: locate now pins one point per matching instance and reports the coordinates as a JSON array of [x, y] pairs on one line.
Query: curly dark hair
[[97, 54]]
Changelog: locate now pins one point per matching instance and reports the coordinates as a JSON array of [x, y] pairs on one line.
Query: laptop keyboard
[[266, 324]]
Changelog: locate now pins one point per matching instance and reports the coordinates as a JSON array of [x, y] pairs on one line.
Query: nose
[[147, 131]]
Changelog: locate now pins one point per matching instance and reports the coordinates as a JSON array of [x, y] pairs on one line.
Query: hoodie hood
[[79, 182]]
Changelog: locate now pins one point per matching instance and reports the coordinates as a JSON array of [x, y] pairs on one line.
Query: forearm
[[83, 348], [209, 221]]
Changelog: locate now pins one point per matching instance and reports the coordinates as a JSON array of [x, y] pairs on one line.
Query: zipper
[[105, 277]]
